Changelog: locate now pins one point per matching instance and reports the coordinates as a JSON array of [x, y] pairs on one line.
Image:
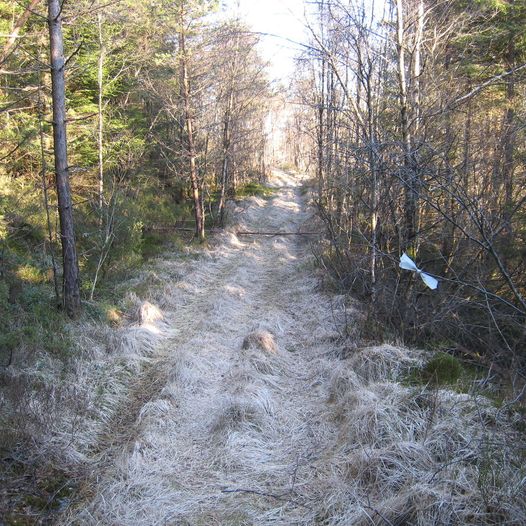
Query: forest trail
[[306, 432], [228, 435]]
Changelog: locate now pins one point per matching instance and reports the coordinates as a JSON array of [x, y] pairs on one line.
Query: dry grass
[[262, 340], [243, 412]]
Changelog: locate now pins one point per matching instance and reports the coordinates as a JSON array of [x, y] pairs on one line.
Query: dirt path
[[231, 434], [215, 434]]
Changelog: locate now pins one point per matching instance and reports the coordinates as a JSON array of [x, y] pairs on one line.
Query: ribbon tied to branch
[[408, 264]]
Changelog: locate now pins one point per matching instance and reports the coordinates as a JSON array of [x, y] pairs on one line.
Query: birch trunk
[[408, 176]]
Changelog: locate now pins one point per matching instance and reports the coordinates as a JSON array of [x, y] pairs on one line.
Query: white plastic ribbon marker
[[408, 264]]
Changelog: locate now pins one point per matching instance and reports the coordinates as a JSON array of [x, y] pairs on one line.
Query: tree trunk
[[508, 146], [100, 131], [320, 134], [371, 132], [227, 131], [71, 291], [185, 85], [408, 176], [44, 172], [226, 155], [448, 235], [417, 62]]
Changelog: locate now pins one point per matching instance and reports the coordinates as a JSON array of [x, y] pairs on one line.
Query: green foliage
[[22, 222], [495, 40], [30, 322], [254, 189], [140, 217], [145, 175], [145, 167], [442, 369], [29, 319]]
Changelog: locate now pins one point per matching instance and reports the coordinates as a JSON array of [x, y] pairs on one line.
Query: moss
[[48, 492]]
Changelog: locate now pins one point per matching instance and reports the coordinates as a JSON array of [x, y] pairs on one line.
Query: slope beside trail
[[248, 415]]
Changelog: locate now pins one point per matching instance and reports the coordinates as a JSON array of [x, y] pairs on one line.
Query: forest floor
[[253, 409]]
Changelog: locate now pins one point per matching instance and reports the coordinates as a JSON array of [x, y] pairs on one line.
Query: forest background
[[166, 116], [408, 115], [413, 115]]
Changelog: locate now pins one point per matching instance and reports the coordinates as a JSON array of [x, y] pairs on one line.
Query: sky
[[285, 19], [282, 18]]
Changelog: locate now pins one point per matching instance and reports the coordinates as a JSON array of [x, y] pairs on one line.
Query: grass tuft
[[442, 369], [252, 189]]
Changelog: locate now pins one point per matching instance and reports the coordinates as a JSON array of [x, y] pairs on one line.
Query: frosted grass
[[241, 412]]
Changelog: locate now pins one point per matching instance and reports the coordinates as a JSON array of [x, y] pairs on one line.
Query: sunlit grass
[[252, 189]]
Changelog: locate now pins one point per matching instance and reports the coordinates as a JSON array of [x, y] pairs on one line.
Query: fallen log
[[164, 228], [248, 233], [170, 228]]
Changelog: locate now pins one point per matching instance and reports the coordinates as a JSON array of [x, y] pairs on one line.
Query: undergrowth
[[30, 320], [443, 370], [446, 369], [60, 381], [53, 372]]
